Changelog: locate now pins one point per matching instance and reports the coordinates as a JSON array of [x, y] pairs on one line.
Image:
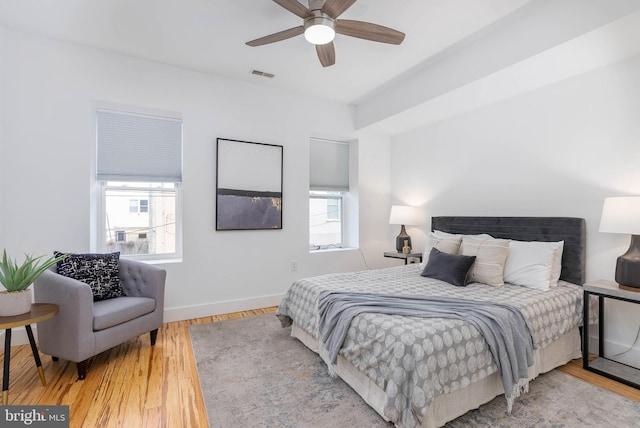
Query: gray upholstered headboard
[[548, 229]]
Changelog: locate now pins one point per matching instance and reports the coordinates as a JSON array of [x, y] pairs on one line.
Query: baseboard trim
[[19, 335], [218, 308], [630, 356]]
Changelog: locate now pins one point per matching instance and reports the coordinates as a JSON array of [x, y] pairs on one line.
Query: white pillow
[[491, 255], [449, 245], [441, 234], [531, 264], [556, 270]]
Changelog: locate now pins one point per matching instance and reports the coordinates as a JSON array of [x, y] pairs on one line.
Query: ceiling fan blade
[[335, 8], [276, 37], [326, 54], [295, 7], [369, 31]]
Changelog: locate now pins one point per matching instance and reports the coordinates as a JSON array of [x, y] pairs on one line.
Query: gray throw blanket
[[503, 327]]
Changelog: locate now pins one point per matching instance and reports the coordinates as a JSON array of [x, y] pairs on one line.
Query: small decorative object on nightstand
[[404, 256], [609, 368], [622, 215], [404, 216]]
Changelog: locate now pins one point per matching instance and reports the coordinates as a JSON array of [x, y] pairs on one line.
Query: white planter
[[15, 302]]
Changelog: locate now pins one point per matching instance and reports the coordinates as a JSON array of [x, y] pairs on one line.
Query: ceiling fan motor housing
[[316, 4]]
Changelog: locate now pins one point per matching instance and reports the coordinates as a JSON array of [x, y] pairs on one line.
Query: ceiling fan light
[[319, 31]]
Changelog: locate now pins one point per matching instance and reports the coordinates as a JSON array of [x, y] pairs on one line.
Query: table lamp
[[622, 215], [404, 216]]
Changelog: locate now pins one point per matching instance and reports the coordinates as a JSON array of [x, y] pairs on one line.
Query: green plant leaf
[[16, 277]]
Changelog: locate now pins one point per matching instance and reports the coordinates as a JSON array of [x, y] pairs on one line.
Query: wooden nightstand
[[405, 257], [612, 369]]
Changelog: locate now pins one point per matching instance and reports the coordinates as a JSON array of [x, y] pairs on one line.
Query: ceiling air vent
[[262, 73]]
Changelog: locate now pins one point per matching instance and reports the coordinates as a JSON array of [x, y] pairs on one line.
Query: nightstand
[[405, 257], [612, 369]]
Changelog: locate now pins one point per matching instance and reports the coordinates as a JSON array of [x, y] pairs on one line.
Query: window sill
[[324, 250], [155, 261]]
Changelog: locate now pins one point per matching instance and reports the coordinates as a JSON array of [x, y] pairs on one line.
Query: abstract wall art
[[248, 185]]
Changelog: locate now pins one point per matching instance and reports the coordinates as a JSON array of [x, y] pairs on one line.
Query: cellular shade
[[136, 147], [329, 168]]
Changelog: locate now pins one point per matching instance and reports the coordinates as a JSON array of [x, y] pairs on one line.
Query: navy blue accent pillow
[[100, 271], [451, 268]]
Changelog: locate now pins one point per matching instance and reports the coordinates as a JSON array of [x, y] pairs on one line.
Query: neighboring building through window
[[151, 228], [138, 174], [325, 220], [329, 184], [138, 205], [334, 209]]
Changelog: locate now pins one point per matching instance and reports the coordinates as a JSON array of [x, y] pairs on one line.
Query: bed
[[417, 371]]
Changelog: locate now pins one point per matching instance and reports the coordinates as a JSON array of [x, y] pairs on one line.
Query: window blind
[[329, 165], [137, 147]]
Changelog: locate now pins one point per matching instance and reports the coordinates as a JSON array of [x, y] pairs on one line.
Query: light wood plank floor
[[136, 385]]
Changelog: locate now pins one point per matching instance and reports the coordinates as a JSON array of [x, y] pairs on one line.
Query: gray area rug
[[254, 374]]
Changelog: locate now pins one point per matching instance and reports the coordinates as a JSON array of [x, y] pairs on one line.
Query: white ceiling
[[210, 36]]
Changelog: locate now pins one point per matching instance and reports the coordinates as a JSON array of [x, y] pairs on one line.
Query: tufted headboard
[[548, 229]]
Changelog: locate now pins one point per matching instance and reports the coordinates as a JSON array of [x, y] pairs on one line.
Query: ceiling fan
[[321, 24]]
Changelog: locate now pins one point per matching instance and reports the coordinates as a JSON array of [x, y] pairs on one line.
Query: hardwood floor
[[136, 385], [131, 385]]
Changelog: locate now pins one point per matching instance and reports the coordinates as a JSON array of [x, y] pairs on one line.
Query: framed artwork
[[248, 185]]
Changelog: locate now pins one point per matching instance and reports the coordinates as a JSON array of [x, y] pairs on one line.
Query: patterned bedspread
[[416, 359]]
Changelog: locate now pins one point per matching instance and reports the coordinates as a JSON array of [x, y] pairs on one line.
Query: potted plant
[[16, 279]]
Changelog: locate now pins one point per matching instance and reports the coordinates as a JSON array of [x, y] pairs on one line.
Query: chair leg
[[154, 336], [82, 369]]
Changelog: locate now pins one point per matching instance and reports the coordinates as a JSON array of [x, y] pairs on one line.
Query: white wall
[[375, 189], [2, 154], [52, 88], [557, 151]]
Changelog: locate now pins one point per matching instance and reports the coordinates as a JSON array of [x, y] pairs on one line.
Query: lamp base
[[624, 287], [401, 238], [628, 266]]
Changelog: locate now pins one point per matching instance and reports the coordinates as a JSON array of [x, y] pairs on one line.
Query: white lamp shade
[[401, 214], [621, 215]]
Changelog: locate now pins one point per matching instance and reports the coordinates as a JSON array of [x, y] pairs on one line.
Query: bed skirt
[[447, 407]]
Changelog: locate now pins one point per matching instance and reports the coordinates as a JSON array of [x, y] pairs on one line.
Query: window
[[325, 220], [138, 177], [329, 186], [133, 233], [334, 209], [138, 206]]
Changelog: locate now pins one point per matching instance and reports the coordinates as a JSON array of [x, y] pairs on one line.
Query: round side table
[[39, 312]]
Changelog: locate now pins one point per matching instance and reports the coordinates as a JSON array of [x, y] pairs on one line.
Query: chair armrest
[[74, 298]]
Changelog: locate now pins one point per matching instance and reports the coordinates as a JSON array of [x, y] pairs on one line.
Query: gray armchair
[[85, 328]]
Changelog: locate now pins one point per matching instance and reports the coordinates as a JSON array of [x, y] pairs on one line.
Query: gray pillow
[[100, 271], [451, 268]]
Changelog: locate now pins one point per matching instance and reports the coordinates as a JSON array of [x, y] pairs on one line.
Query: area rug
[[254, 374]]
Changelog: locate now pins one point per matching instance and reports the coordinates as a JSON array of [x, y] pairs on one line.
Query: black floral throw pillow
[[99, 271]]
